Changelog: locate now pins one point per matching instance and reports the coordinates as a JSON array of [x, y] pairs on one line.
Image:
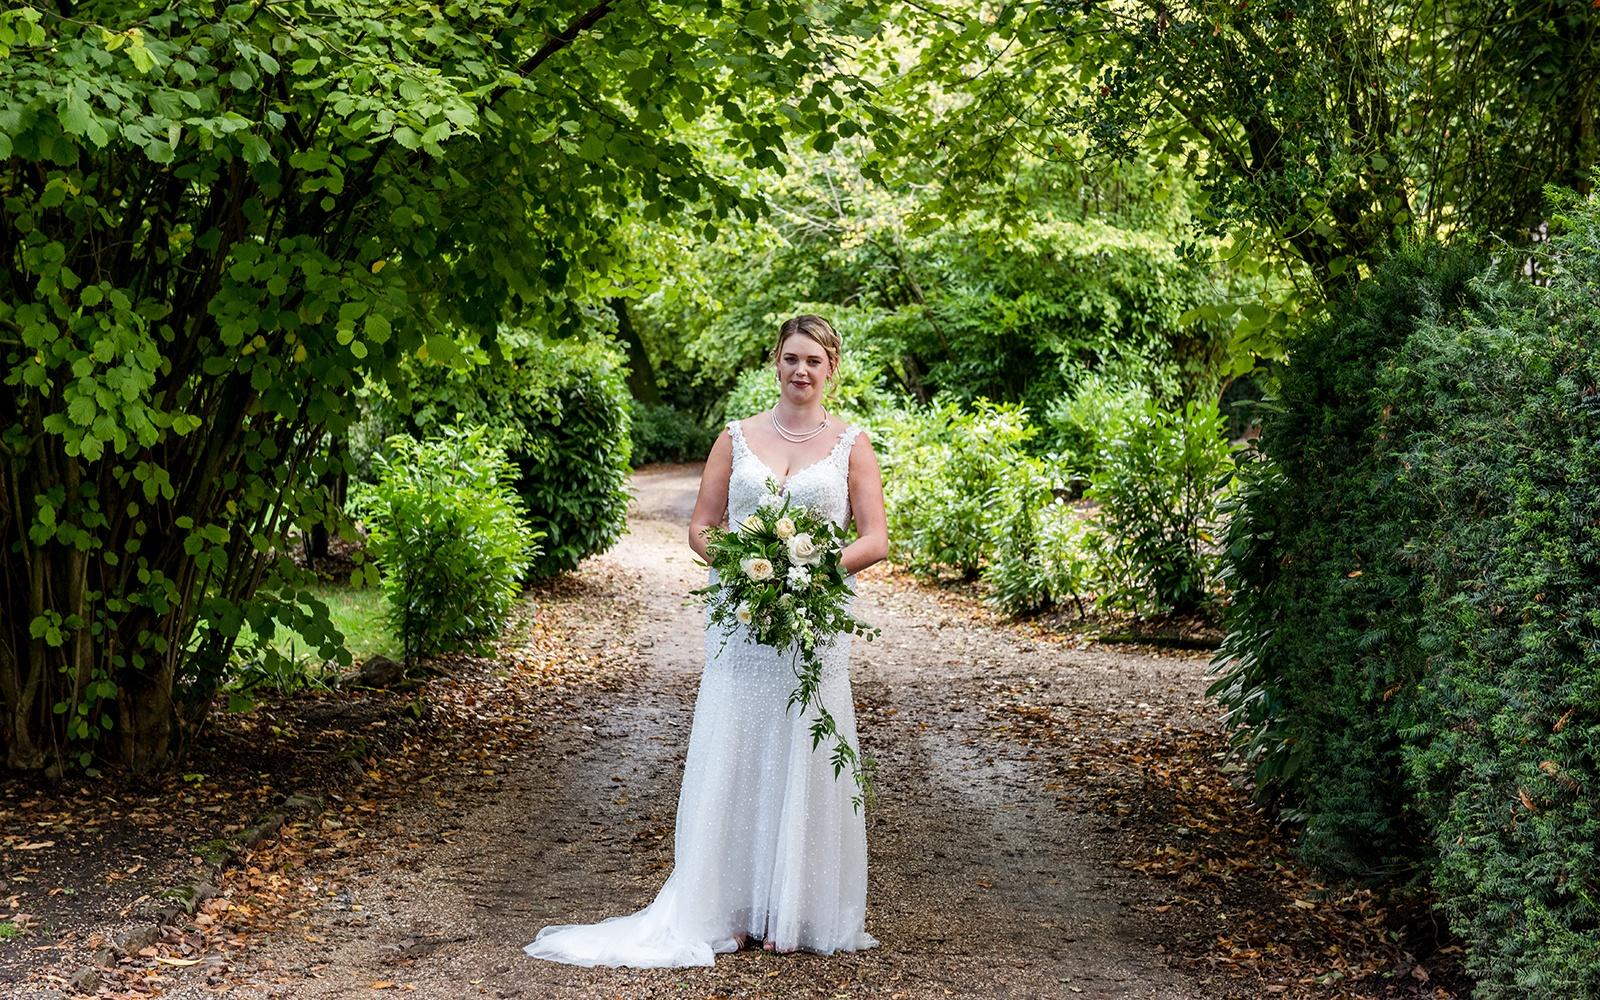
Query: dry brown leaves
[[472, 714], [1235, 897]]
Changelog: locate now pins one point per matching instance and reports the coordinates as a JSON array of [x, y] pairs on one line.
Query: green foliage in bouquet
[[779, 576], [449, 534]]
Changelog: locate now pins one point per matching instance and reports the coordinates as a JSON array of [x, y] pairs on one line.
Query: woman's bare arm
[[866, 505], [711, 506]]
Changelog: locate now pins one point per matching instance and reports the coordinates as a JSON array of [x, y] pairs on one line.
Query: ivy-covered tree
[[217, 219]]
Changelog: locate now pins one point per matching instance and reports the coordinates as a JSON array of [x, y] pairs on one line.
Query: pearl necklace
[[801, 437]]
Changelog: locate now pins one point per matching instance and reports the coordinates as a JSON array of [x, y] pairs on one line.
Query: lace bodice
[[823, 486]]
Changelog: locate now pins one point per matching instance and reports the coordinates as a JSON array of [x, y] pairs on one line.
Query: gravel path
[[985, 881]]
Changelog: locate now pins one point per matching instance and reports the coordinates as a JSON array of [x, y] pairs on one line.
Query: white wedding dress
[[767, 842]]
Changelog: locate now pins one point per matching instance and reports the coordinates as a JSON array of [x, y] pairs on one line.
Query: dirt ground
[[1021, 846]]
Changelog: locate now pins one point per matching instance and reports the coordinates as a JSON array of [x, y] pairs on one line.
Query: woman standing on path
[[768, 844]]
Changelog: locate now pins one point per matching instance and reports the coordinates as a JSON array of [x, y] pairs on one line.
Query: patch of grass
[[9, 930], [358, 613]]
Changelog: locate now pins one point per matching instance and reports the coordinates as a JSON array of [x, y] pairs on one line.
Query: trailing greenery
[[449, 537], [1414, 655], [218, 221], [561, 411], [1158, 482]]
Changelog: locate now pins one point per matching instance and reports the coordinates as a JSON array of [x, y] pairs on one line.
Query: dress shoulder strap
[[847, 440]]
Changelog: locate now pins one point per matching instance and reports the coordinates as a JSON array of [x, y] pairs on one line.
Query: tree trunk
[[641, 374]]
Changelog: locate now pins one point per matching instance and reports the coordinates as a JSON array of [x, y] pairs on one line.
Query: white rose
[[784, 528], [803, 550], [757, 567], [743, 613], [799, 577], [752, 524]]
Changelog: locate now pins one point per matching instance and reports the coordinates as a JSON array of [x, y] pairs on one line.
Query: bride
[[768, 845]]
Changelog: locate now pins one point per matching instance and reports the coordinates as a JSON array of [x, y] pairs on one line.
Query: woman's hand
[[866, 506], [711, 505]]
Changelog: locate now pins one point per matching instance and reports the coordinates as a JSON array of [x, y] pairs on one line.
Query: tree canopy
[[215, 221]]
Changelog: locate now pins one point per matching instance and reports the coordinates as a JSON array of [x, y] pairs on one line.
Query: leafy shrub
[[941, 465], [1040, 557], [449, 536], [1412, 653], [1500, 418], [1081, 423], [660, 432], [560, 409], [1160, 476]]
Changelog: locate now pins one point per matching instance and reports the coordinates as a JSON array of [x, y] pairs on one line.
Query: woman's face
[[803, 369]]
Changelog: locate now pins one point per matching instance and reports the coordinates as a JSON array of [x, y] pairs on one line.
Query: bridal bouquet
[[779, 575]]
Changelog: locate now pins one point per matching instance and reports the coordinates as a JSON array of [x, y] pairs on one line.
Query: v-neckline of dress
[[774, 472]]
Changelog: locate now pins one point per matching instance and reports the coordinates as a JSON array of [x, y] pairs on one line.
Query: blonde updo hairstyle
[[817, 329]]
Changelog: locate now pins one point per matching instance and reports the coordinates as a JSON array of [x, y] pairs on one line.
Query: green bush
[[660, 432], [1500, 416], [1081, 423], [450, 537], [1414, 647], [1039, 553], [1160, 476], [941, 466], [560, 409]]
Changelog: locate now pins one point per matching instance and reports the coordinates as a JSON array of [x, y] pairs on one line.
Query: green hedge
[[562, 411], [1320, 660], [1414, 652], [661, 432], [450, 539]]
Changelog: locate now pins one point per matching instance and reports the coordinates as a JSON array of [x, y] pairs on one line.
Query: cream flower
[[752, 524], [784, 528], [743, 613], [757, 567], [799, 577], [804, 550]]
